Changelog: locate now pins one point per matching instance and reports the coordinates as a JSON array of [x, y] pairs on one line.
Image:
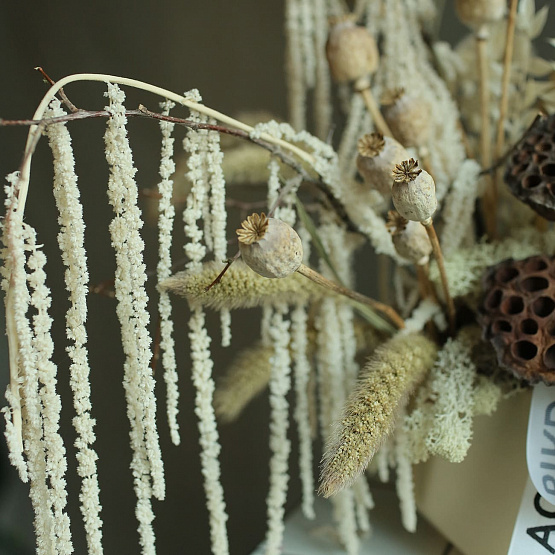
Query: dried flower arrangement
[[416, 118]]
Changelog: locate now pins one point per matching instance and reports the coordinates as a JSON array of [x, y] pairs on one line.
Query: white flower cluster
[[71, 241], [147, 466], [50, 402], [166, 217], [301, 366], [307, 67], [209, 440], [459, 207], [280, 383], [204, 153], [332, 389], [13, 267]]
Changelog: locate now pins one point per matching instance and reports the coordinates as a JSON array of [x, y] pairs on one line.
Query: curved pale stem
[[339, 289], [35, 131]]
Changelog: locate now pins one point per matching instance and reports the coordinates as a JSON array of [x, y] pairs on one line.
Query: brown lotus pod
[[530, 172], [518, 316]]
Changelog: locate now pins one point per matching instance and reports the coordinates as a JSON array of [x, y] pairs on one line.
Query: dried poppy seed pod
[[408, 117], [410, 238], [269, 246], [351, 50], [413, 192], [377, 158], [477, 13]]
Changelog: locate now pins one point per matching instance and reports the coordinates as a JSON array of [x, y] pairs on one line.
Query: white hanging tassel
[[280, 383], [209, 441], [299, 346], [72, 244], [50, 402], [165, 226], [195, 143], [133, 315], [405, 482]]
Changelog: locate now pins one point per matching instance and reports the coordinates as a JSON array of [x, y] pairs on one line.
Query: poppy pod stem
[[363, 299], [429, 226], [362, 86]]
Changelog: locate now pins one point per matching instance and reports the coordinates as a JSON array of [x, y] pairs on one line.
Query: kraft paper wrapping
[[475, 503]]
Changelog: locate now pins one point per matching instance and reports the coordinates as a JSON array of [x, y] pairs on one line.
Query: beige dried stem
[[504, 100], [490, 195]]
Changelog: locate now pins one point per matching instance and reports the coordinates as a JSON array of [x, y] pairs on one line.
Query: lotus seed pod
[[530, 171], [413, 192], [517, 315], [351, 50], [408, 117], [377, 158], [410, 238], [476, 13], [269, 246]]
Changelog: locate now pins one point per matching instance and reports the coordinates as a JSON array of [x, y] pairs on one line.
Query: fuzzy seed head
[[476, 13], [387, 380], [269, 246], [413, 192], [351, 51], [377, 157]]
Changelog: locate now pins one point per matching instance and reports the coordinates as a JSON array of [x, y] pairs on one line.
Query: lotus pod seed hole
[[539, 158], [535, 264], [501, 326], [548, 169], [534, 283], [512, 305], [531, 181], [529, 326], [504, 275], [524, 350], [543, 306], [543, 147], [549, 357], [493, 300]]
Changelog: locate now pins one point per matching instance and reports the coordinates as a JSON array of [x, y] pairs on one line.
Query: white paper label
[[540, 443], [534, 531]]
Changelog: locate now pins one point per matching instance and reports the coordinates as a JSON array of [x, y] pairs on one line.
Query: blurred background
[[233, 53]]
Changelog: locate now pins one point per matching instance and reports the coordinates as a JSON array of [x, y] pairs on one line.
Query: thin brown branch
[[70, 106], [229, 262], [144, 112], [357, 297]]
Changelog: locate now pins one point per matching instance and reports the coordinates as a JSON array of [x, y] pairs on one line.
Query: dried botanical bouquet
[[438, 158]]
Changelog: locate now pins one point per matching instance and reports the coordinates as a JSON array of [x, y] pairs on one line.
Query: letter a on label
[[541, 535]]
